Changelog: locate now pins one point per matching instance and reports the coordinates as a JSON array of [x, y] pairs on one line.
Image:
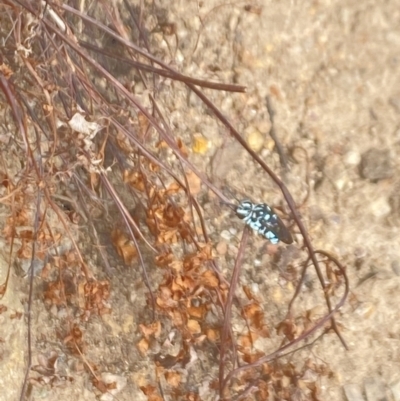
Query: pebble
[[395, 102], [396, 391], [25, 264], [226, 235], [352, 158], [255, 288], [380, 207], [396, 268], [222, 248], [366, 310], [376, 164], [118, 381], [353, 392], [200, 144], [375, 389], [54, 310], [276, 295], [255, 139], [233, 231]]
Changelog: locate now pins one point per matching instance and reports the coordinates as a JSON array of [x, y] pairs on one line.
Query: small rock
[[375, 389], [353, 392], [395, 102], [23, 267], [200, 144], [380, 207], [255, 139], [396, 268], [396, 391], [226, 235], [194, 183], [376, 164], [366, 310], [315, 213], [222, 248], [352, 158], [119, 383], [394, 200], [277, 295], [255, 288], [54, 310], [233, 231]]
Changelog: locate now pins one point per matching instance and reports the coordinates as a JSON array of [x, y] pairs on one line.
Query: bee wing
[[281, 231]]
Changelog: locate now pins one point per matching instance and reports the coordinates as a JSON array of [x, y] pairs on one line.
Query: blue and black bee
[[262, 219]]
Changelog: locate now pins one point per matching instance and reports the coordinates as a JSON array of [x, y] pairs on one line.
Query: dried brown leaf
[[209, 279], [153, 329], [197, 312], [173, 378], [194, 183], [143, 346], [123, 245], [194, 326], [151, 393]]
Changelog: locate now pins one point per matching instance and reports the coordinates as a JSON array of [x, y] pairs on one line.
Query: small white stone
[[340, 183], [255, 288], [233, 231], [380, 207], [395, 390], [120, 383], [352, 158], [226, 235]]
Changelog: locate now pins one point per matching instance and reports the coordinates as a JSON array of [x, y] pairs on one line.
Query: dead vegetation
[[85, 156]]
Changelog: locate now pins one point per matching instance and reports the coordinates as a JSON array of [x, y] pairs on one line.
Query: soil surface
[[331, 73]]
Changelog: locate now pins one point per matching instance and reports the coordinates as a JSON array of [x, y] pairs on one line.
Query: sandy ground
[[332, 72]]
